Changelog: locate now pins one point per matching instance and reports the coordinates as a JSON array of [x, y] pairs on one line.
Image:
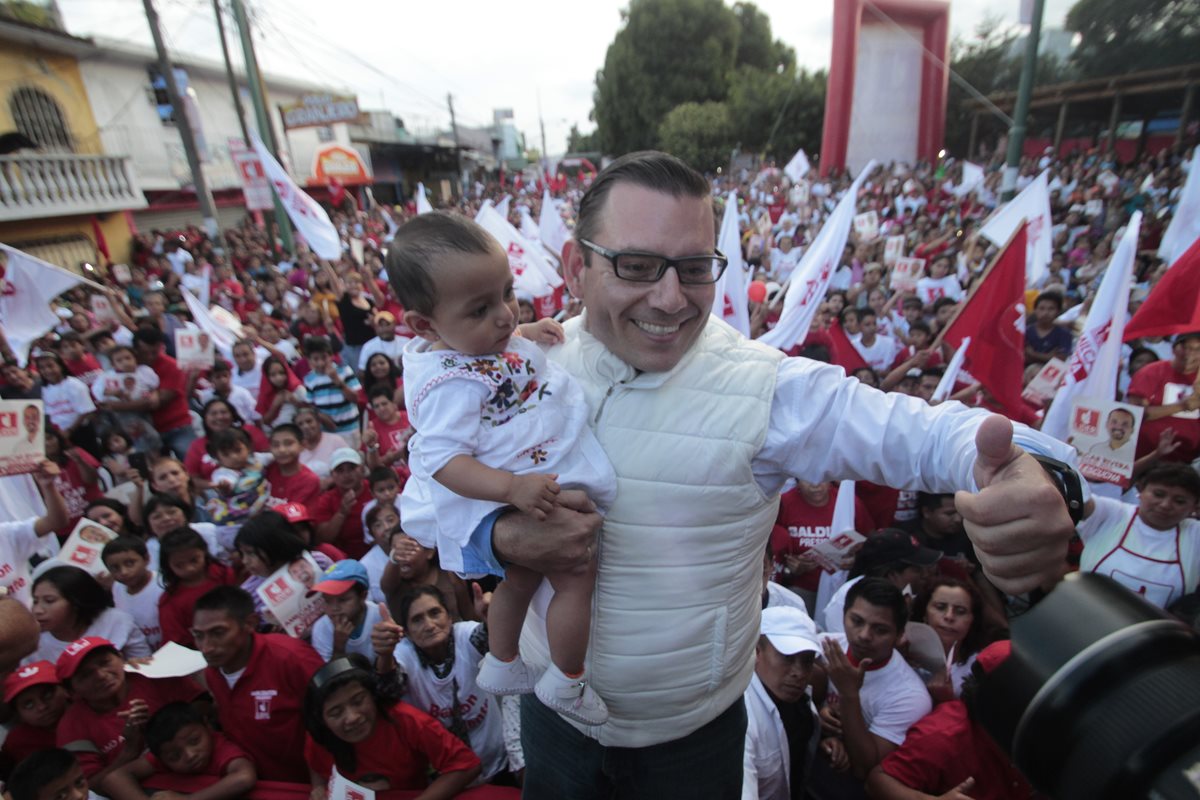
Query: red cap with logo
[[76, 652], [35, 674], [295, 512]]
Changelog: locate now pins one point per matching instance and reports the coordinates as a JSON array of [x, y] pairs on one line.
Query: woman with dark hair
[[68, 604], [954, 609], [114, 515], [279, 394], [267, 542], [377, 741], [164, 513], [217, 416], [319, 444], [436, 660], [383, 371], [188, 572]]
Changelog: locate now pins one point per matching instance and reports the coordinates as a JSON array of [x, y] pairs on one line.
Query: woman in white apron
[[1153, 548]]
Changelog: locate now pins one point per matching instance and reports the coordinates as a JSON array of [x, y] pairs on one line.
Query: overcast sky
[[406, 56]]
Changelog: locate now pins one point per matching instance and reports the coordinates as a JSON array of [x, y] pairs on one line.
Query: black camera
[[1100, 699]]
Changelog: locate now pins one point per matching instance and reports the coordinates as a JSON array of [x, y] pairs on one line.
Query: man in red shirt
[[291, 481], [338, 511], [387, 439], [1167, 389], [169, 407], [258, 681]]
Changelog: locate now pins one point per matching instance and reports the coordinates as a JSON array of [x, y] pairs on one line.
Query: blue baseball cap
[[342, 576]]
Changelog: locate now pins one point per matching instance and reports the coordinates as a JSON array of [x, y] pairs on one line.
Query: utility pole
[[183, 125], [457, 150], [265, 128], [542, 125], [1016, 134], [233, 87]]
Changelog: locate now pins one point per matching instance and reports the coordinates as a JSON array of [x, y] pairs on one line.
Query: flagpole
[[937, 342]]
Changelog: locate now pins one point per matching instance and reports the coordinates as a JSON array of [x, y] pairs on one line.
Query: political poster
[[22, 436], [288, 596], [866, 225], [83, 547], [193, 349], [893, 249], [1104, 433], [905, 274], [341, 788], [1041, 390], [102, 308], [832, 554]]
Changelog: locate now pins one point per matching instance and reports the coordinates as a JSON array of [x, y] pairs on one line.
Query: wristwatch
[[1066, 480]]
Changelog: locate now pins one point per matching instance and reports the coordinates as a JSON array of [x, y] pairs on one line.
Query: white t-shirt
[[250, 381], [179, 259], [143, 607], [892, 697], [319, 457], [18, 542], [116, 626], [374, 562], [113, 385], [67, 401], [322, 635], [392, 350], [930, 289], [880, 355]]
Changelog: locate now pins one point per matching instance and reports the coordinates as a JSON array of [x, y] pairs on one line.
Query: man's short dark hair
[[165, 723], [317, 344], [883, 593], [863, 313], [220, 365], [288, 427], [381, 390], [381, 474], [648, 169], [227, 441], [931, 501], [919, 325], [149, 335], [942, 302], [1169, 473], [38, 770], [912, 302], [234, 601], [124, 544], [1050, 297], [420, 247]]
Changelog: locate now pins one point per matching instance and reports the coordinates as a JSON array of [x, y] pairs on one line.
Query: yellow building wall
[[114, 225], [58, 76]]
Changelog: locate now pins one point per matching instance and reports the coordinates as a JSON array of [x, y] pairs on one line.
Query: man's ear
[[421, 325], [573, 267]]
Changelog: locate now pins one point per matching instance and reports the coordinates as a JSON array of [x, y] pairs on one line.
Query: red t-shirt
[[84, 368], [224, 752], [76, 493], [174, 415], [197, 461], [800, 526], [103, 732], [303, 487], [263, 712], [25, 740], [176, 607], [350, 537], [944, 748], [1150, 383], [402, 748]]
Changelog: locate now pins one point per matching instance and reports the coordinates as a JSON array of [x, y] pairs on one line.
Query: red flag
[[993, 315], [101, 242], [843, 352], [1174, 304]]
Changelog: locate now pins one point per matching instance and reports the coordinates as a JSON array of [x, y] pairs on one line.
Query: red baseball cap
[[294, 512], [76, 652], [35, 674]]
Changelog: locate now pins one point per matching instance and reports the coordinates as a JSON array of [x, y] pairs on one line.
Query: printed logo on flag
[[1087, 420]]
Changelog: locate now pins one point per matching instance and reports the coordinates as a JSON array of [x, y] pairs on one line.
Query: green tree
[[581, 142], [756, 48], [789, 105], [698, 133], [668, 52], [1119, 36]]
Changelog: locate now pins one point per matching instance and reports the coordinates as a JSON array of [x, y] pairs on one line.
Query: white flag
[[1185, 225], [551, 226], [390, 222], [843, 520], [306, 213], [798, 167], [27, 287], [423, 206], [972, 176], [224, 332], [732, 293], [810, 279], [946, 384], [502, 206], [529, 228], [1032, 204], [532, 271], [1096, 361]]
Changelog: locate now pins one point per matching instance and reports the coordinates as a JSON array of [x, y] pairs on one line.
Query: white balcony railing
[[36, 186]]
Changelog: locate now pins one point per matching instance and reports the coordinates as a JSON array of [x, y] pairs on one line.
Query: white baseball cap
[[789, 630]]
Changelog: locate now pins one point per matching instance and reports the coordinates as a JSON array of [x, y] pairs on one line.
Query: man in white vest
[[704, 428]]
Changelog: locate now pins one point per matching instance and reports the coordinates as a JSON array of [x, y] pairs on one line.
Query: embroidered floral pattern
[[515, 384]]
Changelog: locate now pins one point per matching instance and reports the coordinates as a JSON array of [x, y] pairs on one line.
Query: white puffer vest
[[676, 607]]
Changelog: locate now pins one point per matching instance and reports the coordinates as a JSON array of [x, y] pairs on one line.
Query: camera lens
[[1100, 699]]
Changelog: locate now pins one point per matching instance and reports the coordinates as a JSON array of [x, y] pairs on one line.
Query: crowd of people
[[704, 621]]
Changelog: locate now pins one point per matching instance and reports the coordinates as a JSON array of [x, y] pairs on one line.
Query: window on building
[[324, 134], [38, 116]]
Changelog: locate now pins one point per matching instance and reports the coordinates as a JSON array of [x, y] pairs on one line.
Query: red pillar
[[839, 95]]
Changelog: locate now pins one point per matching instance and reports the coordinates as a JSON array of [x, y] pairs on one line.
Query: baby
[[126, 383], [497, 425], [240, 488]]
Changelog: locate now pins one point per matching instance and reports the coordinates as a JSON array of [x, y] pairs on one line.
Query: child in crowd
[[221, 378], [349, 618], [186, 757], [117, 447], [280, 394], [385, 486], [136, 590], [34, 694], [497, 423], [126, 383], [332, 388], [67, 400], [79, 362], [239, 485], [168, 476], [386, 439], [52, 774], [382, 521], [188, 571], [290, 481]]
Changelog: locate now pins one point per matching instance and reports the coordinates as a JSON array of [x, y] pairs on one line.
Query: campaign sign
[[193, 349], [1105, 433], [832, 552], [22, 436], [893, 249], [83, 547], [287, 594], [1042, 388], [340, 788], [906, 273], [866, 225]]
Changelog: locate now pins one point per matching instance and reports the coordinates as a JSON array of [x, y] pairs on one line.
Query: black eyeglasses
[[631, 265]]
